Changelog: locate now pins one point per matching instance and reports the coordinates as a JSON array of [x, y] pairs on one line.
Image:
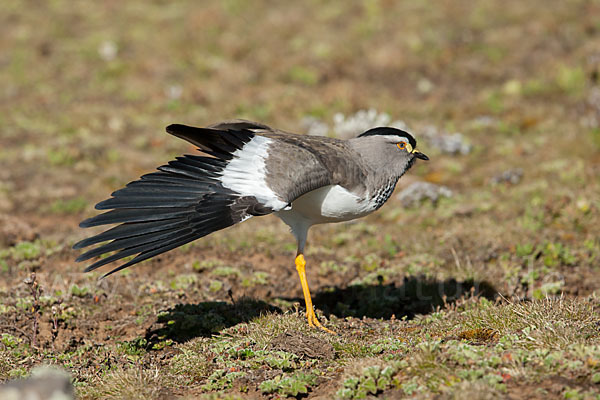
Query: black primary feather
[[180, 203]]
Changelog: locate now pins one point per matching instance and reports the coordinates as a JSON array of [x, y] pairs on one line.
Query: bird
[[247, 169]]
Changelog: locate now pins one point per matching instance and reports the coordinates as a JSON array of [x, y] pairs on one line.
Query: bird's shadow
[[187, 321], [416, 295]]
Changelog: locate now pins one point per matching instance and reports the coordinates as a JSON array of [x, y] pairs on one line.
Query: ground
[[489, 293]]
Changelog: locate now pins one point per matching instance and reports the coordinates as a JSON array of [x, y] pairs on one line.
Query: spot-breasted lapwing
[[249, 169]]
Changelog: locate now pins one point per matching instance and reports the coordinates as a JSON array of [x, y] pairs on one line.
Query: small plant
[[215, 286], [200, 266], [9, 341], [289, 385], [302, 75], [36, 291], [135, 348], [26, 251], [259, 278], [373, 379], [524, 250], [391, 246], [555, 254], [548, 288], [182, 282], [226, 271], [281, 360], [162, 344], [371, 262], [331, 267], [221, 379], [570, 79], [55, 318], [68, 206], [79, 291]]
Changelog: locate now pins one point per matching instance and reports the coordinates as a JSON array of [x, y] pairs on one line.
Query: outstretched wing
[[290, 164], [186, 199], [250, 170]]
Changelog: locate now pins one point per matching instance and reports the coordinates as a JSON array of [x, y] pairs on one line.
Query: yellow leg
[[310, 311]]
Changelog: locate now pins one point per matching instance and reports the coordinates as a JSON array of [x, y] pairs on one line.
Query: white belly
[[328, 204]]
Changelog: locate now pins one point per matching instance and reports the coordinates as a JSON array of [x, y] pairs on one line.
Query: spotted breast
[[383, 194]]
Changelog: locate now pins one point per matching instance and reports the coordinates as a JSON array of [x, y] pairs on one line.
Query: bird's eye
[[401, 145]]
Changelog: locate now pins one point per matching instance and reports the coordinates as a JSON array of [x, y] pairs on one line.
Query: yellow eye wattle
[[401, 145]]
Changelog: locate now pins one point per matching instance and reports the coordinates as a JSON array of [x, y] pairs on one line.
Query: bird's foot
[[313, 321]]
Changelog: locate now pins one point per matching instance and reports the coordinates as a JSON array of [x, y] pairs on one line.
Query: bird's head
[[390, 148]]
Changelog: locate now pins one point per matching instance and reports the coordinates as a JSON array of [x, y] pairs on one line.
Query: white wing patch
[[246, 173]]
